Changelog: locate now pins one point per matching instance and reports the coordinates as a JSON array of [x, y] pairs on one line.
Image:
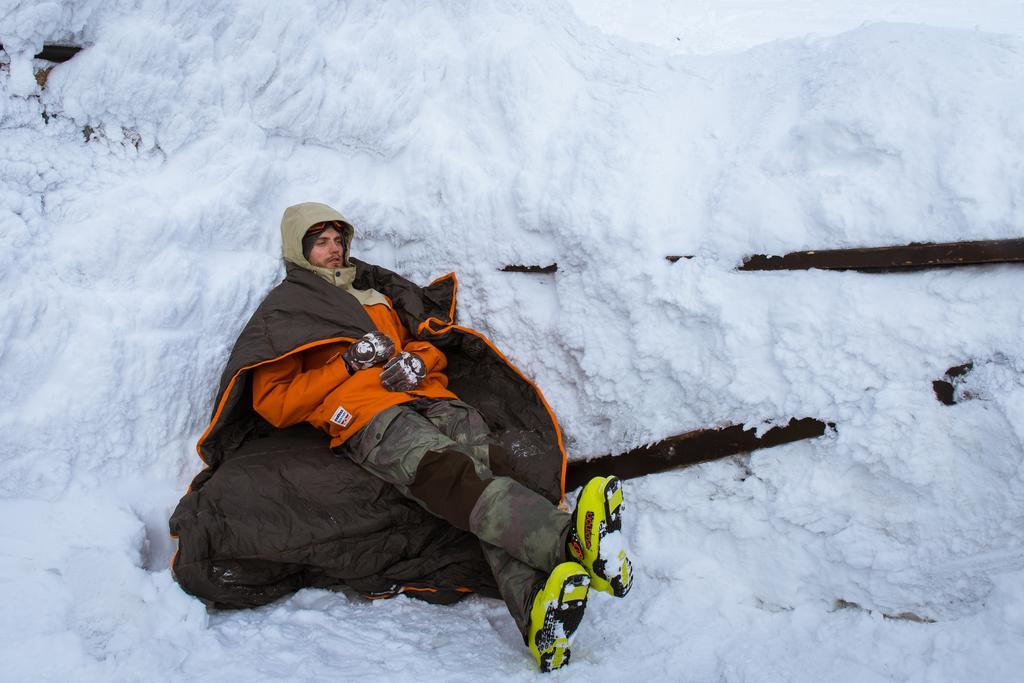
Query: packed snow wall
[[144, 179]]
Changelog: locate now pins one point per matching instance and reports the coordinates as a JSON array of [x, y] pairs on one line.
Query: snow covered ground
[[708, 26], [140, 198]]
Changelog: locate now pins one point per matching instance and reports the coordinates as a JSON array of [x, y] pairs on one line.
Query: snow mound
[[141, 193]]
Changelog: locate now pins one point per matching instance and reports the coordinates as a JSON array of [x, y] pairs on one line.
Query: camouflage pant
[[438, 453]]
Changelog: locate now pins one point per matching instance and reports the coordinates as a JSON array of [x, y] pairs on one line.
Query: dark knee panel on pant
[[447, 484], [498, 460]]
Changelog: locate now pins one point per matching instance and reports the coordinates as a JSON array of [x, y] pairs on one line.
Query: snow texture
[[140, 194]]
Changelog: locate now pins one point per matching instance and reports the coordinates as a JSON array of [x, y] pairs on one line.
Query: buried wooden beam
[[56, 53], [690, 449], [912, 256], [530, 269]]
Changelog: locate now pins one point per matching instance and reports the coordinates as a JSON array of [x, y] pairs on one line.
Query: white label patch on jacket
[[341, 417]]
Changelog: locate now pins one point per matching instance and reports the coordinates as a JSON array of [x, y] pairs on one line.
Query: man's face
[[328, 250]]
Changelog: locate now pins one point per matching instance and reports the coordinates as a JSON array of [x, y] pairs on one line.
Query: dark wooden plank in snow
[[530, 269], [56, 53], [907, 257], [689, 449]]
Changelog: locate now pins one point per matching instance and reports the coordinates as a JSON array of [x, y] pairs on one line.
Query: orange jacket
[[315, 386]]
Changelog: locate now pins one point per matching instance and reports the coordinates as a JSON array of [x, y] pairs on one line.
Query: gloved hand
[[404, 372], [373, 348]]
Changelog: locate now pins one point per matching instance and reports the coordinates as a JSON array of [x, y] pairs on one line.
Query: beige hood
[[296, 221]]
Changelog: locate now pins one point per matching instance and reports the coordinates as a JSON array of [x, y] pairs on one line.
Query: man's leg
[[517, 582], [441, 457], [453, 480], [547, 607]]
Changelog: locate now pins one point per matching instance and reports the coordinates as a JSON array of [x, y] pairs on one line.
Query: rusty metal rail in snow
[[690, 449]]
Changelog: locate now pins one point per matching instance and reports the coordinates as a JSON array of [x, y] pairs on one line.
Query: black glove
[[372, 349], [404, 372]]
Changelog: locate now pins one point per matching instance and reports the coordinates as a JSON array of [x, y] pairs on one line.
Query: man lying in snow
[[356, 352]]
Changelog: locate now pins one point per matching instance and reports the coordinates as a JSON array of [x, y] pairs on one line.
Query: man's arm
[[432, 356], [285, 395]]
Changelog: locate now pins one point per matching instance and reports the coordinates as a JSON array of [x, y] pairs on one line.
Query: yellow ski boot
[[595, 538], [556, 614]]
